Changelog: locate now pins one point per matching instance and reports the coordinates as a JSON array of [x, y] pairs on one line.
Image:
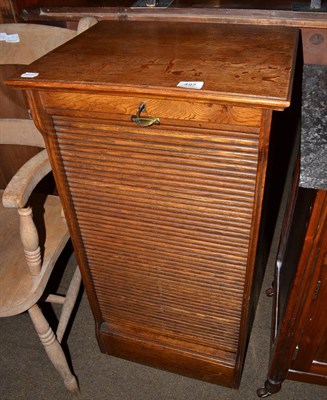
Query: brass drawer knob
[[144, 121]]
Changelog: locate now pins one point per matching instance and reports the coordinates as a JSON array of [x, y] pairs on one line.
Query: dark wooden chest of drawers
[[299, 337], [165, 218]]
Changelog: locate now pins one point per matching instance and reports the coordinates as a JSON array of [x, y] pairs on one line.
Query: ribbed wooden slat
[[227, 270], [201, 149], [167, 207], [148, 173], [180, 245], [226, 276], [178, 201], [183, 219], [165, 218], [164, 235]]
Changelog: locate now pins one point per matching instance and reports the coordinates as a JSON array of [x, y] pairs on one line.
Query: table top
[[236, 63], [246, 4]]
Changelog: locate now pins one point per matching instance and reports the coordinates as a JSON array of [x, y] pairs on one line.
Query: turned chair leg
[[69, 303], [53, 349]]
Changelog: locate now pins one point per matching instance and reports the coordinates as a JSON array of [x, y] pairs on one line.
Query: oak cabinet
[[163, 185]]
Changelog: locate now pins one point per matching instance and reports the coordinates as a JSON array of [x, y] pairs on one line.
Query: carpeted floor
[[26, 373]]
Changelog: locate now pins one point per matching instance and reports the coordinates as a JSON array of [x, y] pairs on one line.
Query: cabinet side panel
[[44, 123], [256, 263]]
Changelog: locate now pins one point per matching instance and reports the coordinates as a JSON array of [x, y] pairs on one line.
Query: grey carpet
[[26, 373]]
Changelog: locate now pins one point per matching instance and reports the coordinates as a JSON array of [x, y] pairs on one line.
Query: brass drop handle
[[144, 121]]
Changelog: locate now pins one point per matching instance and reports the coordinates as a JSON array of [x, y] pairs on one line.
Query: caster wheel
[[263, 392], [269, 389]]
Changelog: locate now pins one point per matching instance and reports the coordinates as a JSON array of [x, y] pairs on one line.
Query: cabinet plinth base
[[172, 359]]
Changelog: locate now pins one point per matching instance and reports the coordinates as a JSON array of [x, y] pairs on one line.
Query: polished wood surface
[[309, 364], [313, 23], [299, 347], [220, 11], [237, 64], [314, 42], [165, 219], [245, 4]]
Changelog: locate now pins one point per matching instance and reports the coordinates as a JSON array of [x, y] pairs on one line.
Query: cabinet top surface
[[237, 63]]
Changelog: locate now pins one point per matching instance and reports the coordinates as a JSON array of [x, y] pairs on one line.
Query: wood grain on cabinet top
[[238, 64]]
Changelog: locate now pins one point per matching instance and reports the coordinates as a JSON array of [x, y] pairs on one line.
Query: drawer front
[[165, 216], [170, 111]]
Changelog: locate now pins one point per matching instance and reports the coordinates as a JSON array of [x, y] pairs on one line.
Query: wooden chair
[[30, 246], [27, 259], [34, 42]]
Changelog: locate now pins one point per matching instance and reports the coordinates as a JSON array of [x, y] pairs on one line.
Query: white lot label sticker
[[191, 85], [13, 38], [29, 74]]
